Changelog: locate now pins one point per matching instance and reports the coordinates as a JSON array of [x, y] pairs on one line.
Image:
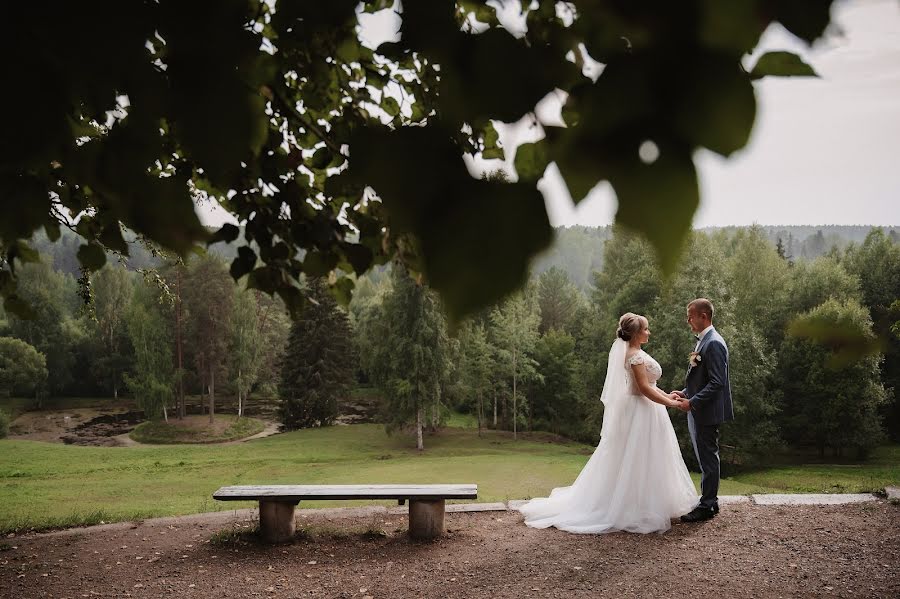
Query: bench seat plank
[[309, 492]]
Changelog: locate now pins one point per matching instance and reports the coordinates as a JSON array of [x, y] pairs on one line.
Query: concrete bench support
[[276, 521], [426, 519]]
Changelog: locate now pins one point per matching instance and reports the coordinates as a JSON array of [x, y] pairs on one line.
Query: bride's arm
[[650, 391]]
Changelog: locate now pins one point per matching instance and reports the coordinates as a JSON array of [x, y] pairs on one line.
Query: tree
[[112, 294], [554, 403], [317, 369], [407, 355], [558, 300], [758, 282], [246, 344], [50, 331], [23, 369], [876, 263], [476, 366], [252, 103], [152, 376], [274, 327], [757, 394], [514, 331], [208, 295], [831, 403]]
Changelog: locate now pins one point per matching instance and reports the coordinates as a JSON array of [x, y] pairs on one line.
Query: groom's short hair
[[702, 305]]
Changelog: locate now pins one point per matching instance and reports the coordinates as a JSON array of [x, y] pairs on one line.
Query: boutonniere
[[694, 359]]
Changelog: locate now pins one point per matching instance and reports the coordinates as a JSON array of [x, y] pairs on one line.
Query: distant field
[[47, 485]]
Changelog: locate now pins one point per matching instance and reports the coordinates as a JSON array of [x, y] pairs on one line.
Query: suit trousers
[[705, 439]]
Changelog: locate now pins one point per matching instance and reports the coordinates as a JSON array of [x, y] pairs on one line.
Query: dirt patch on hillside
[[82, 426], [747, 551]]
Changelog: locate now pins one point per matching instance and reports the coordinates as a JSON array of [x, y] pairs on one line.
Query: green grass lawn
[[47, 485], [228, 428]]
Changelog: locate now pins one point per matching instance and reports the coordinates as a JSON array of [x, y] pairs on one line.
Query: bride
[[636, 480]]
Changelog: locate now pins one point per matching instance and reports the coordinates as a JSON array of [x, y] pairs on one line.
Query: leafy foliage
[[317, 368], [246, 343], [832, 403], [152, 375], [340, 157], [405, 349], [22, 368]]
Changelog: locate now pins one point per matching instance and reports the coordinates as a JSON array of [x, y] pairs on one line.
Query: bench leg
[[276, 521], [426, 518]]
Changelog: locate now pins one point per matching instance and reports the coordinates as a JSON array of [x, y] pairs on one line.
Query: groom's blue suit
[[709, 392]]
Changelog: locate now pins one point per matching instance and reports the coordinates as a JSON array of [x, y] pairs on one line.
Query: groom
[[707, 401]]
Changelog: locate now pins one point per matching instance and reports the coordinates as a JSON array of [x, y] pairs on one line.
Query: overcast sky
[[822, 151]]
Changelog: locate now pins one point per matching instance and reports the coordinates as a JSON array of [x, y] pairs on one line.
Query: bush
[[4, 424]]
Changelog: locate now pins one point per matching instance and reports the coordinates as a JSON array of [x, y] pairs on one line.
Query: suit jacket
[[707, 386]]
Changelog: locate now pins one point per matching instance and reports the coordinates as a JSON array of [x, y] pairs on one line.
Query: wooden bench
[[277, 502]]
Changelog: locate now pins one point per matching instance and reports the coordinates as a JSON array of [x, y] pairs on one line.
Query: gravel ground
[[747, 551]]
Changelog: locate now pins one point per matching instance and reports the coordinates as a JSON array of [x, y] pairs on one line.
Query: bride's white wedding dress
[[636, 480]]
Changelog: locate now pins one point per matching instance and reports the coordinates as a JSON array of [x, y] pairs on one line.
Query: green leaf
[[847, 343], [226, 234], [807, 19], [532, 160], [349, 49], [473, 253], [475, 228], [111, 237], [658, 199], [360, 257], [343, 291], [390, 105], [321, 158], [715, 104], [294, 299], [781, 64], [91, 256], [319, 264], [243, 262], [52, 230], [492, 149], [494, 154]]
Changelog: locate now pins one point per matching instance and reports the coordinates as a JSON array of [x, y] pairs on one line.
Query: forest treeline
[[159, 330]]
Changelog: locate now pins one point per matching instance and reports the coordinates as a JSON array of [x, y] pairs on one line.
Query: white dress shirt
[[702, 335]]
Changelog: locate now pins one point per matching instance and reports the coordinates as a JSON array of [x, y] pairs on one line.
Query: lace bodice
[[654, 370]]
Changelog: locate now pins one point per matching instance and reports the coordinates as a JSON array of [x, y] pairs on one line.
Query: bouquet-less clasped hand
[[683, 404]]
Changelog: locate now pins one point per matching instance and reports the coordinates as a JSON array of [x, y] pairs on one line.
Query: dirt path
[[747, 551]]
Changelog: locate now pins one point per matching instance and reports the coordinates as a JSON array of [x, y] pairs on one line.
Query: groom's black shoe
[[699, 514]]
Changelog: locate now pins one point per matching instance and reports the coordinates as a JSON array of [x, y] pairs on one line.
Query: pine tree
[[317, 368]]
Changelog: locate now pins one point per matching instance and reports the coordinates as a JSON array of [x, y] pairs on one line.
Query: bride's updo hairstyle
[[630, 324]]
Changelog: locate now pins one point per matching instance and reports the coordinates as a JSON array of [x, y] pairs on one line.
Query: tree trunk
[[240, 396], [178, 346], [165, 414], [420, 416], [515, 412], [480, 412], [212, 394], [495, 409], [435, 410]]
